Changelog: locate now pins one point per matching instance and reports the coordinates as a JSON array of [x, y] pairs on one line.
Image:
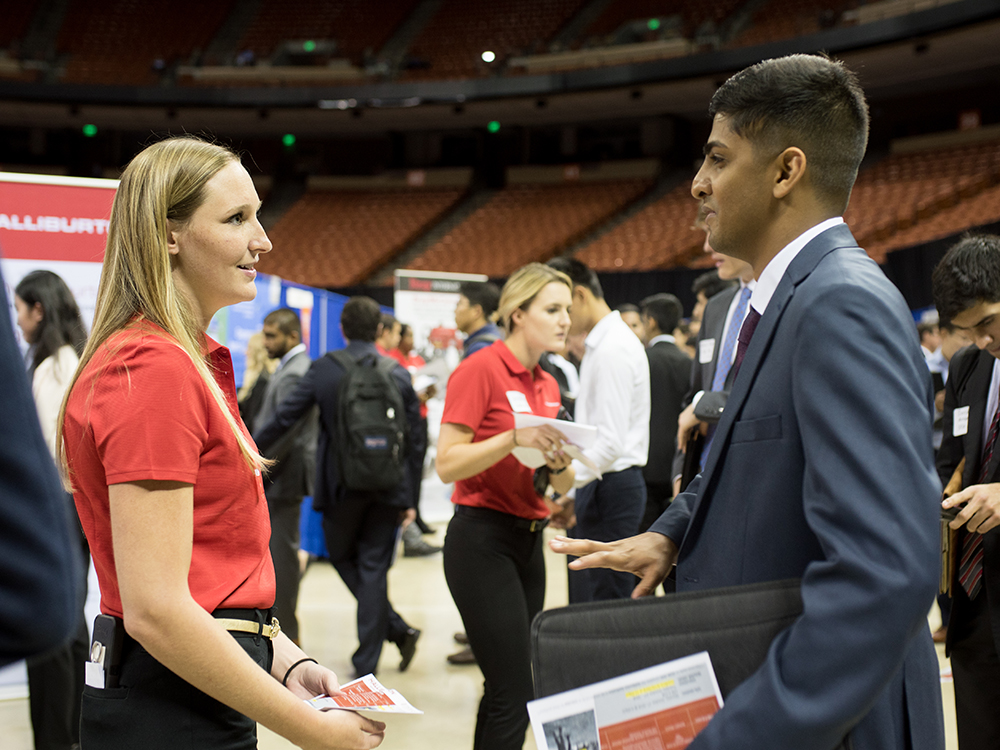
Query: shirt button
[[256, 472]]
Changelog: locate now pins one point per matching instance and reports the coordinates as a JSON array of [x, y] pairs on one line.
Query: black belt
[[501, 519], [254, 621]]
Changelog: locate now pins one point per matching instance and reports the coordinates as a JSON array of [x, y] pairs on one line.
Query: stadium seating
[[118, 41], [524, 223], [693, 14], [662, 235], [338, 238], [452, 42]]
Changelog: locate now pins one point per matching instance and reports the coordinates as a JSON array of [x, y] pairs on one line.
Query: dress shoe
[[940, 635], [461, 638], [465, 656], [419, 548], [424, 528], [408, 647]]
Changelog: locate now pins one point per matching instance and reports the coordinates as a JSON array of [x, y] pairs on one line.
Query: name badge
[[960, 422], [706, 350], [518, 402]]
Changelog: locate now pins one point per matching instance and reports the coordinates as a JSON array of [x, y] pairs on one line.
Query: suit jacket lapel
[[800, 268]]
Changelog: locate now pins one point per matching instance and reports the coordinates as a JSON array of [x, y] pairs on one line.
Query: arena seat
[[525, 223], [338, 238]]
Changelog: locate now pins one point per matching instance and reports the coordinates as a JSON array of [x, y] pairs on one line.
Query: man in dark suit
[[712, 372], [822, 465], [360, 527], [291, 478], [967, 293], [669, 372]]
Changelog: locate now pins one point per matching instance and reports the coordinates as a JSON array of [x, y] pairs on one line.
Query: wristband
[[284, 681], [554, 472]]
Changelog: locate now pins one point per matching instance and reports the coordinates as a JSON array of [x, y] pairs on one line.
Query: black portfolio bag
[[585, 643]]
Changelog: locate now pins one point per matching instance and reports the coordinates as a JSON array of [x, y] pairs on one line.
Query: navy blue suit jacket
[[38, 557], [822, 469], [320, 385]]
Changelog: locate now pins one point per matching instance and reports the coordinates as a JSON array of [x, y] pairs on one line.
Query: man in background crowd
[[477, 303], [614, 397], [705, 286], [715, 352], [967, 293], [360, 526], [669, 375], [633, 319], [291, 478], [389, 333]]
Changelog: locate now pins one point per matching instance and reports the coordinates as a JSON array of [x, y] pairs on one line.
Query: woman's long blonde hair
[[523, 286], [165, 182]]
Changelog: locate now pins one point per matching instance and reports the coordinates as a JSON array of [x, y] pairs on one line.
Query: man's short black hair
[[710, 283], [628, 307], [969, 273], [482, 293], [286, 320], [807, 101], [579, 274], [923, 328], [665, 309], [388, 321], [360, 319]]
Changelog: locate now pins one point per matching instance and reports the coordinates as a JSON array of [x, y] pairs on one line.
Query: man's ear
[[790, 167], [172, 230]]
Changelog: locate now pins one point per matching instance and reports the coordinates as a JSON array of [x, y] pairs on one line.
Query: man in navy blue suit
[[822, 466], [359, 526]]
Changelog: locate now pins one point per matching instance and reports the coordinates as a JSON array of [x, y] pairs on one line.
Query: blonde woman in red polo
[[167, 480], [493, 551]]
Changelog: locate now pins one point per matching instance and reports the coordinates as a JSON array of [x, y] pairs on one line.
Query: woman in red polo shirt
[[167, 480], [493, 551]]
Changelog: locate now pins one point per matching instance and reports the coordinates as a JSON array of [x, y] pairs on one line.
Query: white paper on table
[[365, 694], [580, 437], [671, 701]]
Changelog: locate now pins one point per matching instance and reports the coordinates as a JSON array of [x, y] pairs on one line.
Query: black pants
[[606, 510], [56, 678], [285, 512], [360, 533], [976, 670], [496, 575], [415, 462], [154, 709]]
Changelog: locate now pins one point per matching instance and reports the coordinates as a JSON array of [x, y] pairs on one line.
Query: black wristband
[[553, 472], [284, 681]]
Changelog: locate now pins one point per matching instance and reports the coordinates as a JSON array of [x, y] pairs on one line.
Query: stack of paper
[[580, 437], [365, 694]]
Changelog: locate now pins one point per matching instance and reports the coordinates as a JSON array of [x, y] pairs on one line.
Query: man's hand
[[982, 508], [649, 556], [687, 422]]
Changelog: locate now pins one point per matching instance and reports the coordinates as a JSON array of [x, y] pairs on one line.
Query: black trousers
[[154, 709], [976, 670], [360, 533], [285, 512], [496, 575], [606, 510], [56, 678]]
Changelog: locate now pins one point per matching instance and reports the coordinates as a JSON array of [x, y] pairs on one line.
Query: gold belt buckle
[[532, 527], [272, 630]]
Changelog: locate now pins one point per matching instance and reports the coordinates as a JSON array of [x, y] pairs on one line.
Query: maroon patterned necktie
[[970, 567], [746, 333]]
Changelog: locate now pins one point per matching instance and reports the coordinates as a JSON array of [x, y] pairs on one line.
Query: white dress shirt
[[772, 273], [49, 385], [614, 397], [291, 353]]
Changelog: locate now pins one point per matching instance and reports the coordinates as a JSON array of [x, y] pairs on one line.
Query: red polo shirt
[[477, 398], [140, 411]]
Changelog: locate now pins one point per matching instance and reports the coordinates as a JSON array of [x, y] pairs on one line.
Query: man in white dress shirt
[[614, 397]]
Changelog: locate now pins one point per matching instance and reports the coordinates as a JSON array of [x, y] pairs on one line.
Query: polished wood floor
[[447, 694]]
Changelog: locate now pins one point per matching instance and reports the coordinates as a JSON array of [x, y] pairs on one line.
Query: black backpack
[[371, 424]]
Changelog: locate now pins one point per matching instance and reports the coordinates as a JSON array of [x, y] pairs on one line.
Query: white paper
[[960, 421], [580, 437], [365, 694], [671, 702]]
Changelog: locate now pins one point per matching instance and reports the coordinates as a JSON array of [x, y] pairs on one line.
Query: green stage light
[[288, 139], [653, 24], [493, 126], [309, 46], [90, 130]]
